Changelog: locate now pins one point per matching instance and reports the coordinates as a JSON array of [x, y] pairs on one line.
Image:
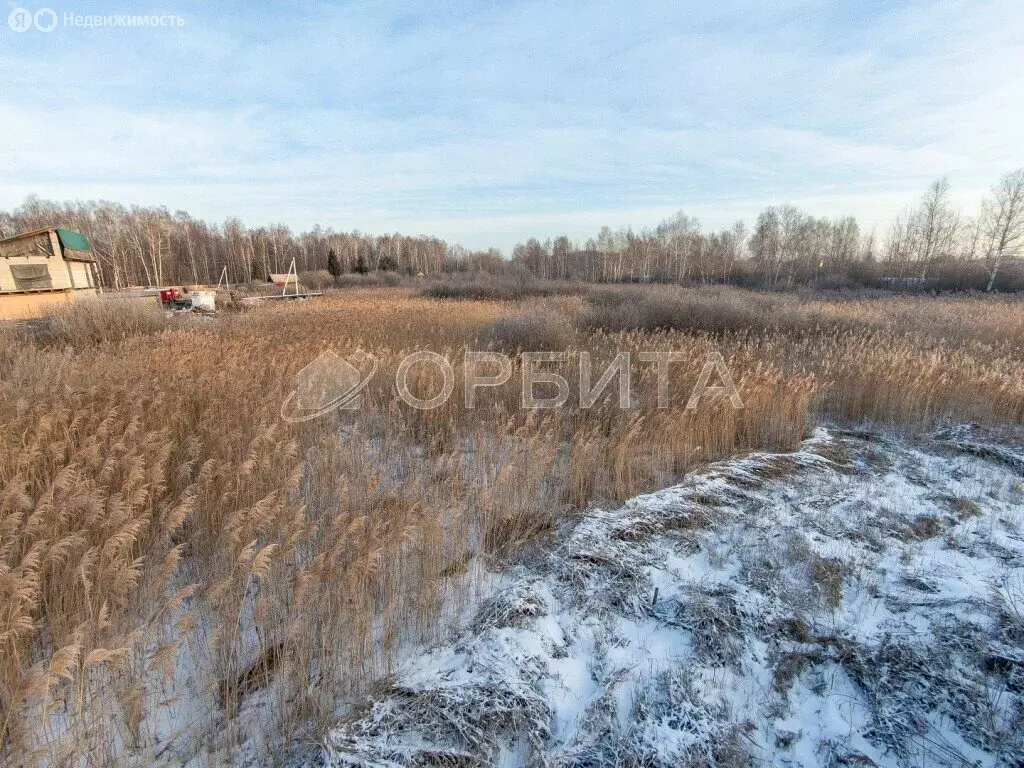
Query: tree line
[[930, 244], [136, 245]]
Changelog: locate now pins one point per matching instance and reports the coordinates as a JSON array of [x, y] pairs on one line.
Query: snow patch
[[857, 602]]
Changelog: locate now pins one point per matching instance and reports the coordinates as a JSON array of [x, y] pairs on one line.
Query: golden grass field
[[169, 544]]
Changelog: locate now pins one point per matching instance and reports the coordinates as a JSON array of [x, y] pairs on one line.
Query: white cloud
[[475, 120]]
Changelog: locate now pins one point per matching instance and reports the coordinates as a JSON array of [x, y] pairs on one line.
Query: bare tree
[[766, 244], [938, 224], [869, 248], [1003, 221], [901, 242]]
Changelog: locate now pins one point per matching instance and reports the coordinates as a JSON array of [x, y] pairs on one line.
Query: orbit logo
[[331, 382], [22, 20], [328, 383]]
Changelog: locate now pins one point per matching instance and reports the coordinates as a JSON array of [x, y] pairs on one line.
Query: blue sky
[[485, 122]]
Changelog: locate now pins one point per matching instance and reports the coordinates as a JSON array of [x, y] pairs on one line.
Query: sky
[[485, 121]]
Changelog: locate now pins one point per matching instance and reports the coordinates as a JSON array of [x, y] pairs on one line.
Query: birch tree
[[1003, 217]]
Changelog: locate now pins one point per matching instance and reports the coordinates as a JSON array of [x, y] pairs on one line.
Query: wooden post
[[292, 273]]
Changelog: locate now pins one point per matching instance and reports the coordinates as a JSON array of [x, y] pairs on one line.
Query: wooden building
[[42, 268]]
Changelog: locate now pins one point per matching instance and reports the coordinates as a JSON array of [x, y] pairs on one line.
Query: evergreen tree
[[333, 265]]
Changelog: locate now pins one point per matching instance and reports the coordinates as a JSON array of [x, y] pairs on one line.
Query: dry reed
[[173, 553]]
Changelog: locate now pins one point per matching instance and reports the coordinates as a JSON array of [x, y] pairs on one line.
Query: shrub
[[316, 281], [716, 311], [538, 331], [368, 280], [668, 309], [614, 297], [228, 301], [491, 288]]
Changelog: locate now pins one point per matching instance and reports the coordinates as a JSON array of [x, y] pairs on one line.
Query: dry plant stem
[[171, 551]]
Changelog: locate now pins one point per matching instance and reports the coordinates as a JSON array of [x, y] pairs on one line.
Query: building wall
[[81, 273], [30, 250], [22, 306], [6, 278], [44, 249], [57, 267]]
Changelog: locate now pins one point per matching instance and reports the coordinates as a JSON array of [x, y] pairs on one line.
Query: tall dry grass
[[183, 574], [487, 287], [907, 361], [105, 319]]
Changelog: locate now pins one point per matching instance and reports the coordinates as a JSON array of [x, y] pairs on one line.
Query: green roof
[[73, 240]]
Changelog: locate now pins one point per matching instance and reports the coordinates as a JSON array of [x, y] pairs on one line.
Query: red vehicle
[[174, 297]]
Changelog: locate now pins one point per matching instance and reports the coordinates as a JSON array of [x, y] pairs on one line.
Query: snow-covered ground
[[859, 602]]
